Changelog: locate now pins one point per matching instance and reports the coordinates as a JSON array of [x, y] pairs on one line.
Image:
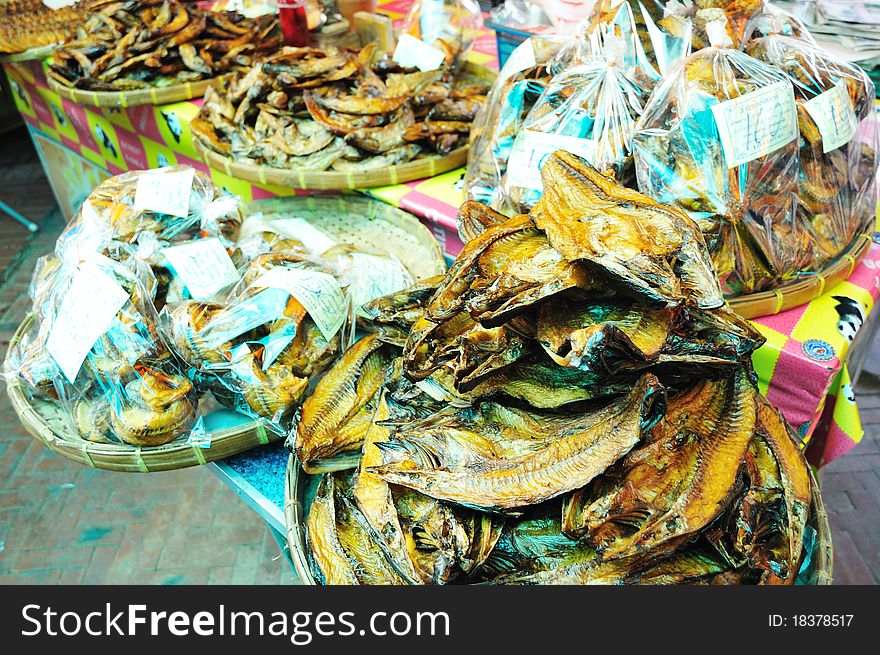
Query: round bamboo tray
[[159, 95], [299, 489], [353, 220], [31, 54], [363, 222], [45, 421], [807, 288], [417, 169]]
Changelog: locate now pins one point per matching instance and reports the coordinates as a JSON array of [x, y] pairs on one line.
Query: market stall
[[86, 139]]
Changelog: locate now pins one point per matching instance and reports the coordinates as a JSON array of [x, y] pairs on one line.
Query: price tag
[[834, 115], [86, 312], [204, 267], [373, 277], [165, 192], [298, 228], [58, 4], [531, 148], [319, 293], [522, 57], [414, 53], [757, 123]]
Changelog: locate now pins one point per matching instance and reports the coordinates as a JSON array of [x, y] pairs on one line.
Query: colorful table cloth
[[802, 367]]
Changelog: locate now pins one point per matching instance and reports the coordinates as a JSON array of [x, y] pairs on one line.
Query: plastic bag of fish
[[143, 44], [837, 193], [427, 21], [572, 403], [258, 348], [312, 109], [719, 139], [175, 220], [95, 347]]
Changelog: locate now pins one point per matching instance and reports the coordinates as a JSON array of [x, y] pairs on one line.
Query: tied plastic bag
[[160, 209], [257, 349], [518, 86], [95, 348], [718, 138], [835, 99], [589, 110], [434, 31]]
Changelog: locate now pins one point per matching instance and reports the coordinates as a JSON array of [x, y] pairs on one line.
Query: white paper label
[[373, 277], [319, 293], [89, 306], [204, 267], [414, 53], [300, 229], [522, 57], [165, 192], [531, 148], [834, 116], [58, 4], [757, 123]]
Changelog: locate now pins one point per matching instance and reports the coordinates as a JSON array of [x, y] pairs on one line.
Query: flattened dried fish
[[654, 251], [586, 445], [334, 419], [672, 487]]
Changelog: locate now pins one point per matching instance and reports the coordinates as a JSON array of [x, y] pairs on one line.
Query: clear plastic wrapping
[[520, 83], [96, 348], [455, 22], [257, 349], [590, 110], [838, 144], [719, 139]]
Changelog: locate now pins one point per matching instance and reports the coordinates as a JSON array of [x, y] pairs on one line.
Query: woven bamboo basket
[[44, 420], [806, 288], [299, 491], [417, 169], [31, 54], [159, 95], [354, 220]]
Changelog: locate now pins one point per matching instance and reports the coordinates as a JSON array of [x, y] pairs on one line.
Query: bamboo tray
[[299, 491], [159, 95], [807, 288], [417, 169], [31, 54], [355, 220], [44, 420]]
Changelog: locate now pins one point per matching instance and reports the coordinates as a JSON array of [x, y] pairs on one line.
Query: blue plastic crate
[[507, 38]]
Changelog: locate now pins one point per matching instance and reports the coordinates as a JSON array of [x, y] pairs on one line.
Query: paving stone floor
[[61, 522]]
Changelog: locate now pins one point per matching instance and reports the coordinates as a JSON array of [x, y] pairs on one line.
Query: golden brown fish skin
[[654, 251], [679, 481], [323, 539], [370, 564], [374, 499], [566, 464], [584, 331], [344, 392], [474, 218]]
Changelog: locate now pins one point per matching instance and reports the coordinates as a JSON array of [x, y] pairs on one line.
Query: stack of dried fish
[[305, 108], [26, 24], [139, 44], [573, 403]]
